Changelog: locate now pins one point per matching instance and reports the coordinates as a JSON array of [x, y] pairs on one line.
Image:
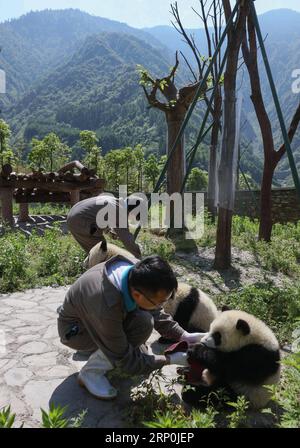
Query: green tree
[[19, 151], [151, 169], [64, 155], [129, 165], [48, 154], [36, 157], [113, 161], [6, 154], [198, 180], [139, 152], [246, 181], [89, 143], [56, 152]]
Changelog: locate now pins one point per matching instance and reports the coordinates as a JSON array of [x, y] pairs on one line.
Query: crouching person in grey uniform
[[82, 222], [111, 310]]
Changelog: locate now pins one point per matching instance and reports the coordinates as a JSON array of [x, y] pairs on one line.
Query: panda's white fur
[[197, 317], [103, 251], [232, 340], [260, 333], [199, 311]]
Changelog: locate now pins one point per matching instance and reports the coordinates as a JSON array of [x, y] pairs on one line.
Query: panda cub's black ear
[[225, 308], [243, 326], [104, 246]]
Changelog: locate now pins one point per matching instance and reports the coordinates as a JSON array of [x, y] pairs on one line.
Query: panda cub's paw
[[208, 378], [197, 352]]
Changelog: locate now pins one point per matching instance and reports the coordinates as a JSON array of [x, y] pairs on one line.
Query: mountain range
[[68, 71]]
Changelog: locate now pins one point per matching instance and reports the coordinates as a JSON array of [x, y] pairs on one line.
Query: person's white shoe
[[92, 377]]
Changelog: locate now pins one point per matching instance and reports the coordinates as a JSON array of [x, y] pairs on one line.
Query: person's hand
[[112, 234], [179, 359], [192, 338]]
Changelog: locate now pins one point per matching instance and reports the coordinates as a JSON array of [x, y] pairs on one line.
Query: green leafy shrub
[[58, 258], [160, 246], [277, 307], [52, 259], [7, 419], [287, 393], [55, 418], [282, 254], [152, 408], [179, 419], [14, 262], [244, 226], [238, 418]]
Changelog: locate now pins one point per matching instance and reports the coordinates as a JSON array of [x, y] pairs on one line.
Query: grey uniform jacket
[[99, 305], [82, 223]]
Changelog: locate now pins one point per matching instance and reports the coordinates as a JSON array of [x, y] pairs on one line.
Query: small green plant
[[238, 418], [287, 393], [7, 419], [55, 418], [147, 399], [282, 254], [177, 418], [14, 261], [159, 246], [169, 419], [153, 408], [51, 259]]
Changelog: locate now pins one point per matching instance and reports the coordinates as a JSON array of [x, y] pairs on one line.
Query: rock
[[17, 377], [57, 372], [33, 348], [37, 395], [27, 338], [38, 361], [51, 332], [20, 303]]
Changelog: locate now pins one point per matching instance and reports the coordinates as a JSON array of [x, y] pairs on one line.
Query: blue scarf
[[130, 303]]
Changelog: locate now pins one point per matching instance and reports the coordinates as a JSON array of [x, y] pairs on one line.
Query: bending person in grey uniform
[[82, 222], [111, 311]]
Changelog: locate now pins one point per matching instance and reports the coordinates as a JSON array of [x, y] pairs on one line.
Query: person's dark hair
[[153, 274]]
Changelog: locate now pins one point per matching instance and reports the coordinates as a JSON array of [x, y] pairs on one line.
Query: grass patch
[[287, 395], [282, 254], [28, 262], [44, 209]]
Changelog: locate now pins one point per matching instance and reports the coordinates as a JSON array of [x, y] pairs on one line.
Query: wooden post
[[6, 195], [24, 213], [75, 196]]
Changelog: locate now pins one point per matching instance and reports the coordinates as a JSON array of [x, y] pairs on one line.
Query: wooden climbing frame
[[65, 186]]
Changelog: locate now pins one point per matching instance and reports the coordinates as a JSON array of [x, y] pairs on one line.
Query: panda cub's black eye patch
[[217, 338]]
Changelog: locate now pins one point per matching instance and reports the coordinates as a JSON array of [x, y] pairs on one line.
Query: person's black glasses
[[157, 305]]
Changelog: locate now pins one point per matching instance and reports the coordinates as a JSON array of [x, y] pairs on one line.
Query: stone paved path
[[36, 369]]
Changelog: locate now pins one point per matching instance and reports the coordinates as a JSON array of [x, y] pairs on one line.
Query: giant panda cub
[[239, 353], [103, 251], [190, 307]]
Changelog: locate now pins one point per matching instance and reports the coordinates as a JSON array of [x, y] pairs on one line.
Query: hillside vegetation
[[68, 71]]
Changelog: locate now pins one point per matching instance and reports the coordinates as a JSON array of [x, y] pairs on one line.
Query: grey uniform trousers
[[138, 326]]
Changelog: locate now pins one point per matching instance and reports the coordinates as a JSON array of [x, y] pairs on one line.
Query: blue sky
[[137, 13]]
